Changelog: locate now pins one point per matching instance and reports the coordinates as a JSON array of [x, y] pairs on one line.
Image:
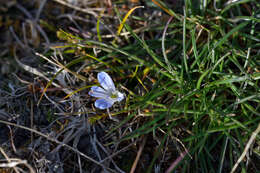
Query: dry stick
[[104, 149], [43, 2], [56, 141], [32, 118], [7, 158], [252, 138], [84, 10], [12, 139], [116, 153], [13, 162], [38, 73], [174, 164], [24, 10], [138, 155]]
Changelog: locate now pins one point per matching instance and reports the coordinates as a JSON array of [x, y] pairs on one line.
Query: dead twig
[[85, 10], [57, 142], [138, 155], [175, 163], [32, 118], [12, 139], [251, 140], [13, 162]]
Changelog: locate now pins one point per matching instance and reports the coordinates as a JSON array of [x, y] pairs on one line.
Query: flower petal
[[103, 104], [98, 92], [120, 96], [106, 81]]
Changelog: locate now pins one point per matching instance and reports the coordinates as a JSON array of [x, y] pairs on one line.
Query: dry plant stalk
[[57, 142], [251, 140], [14, 162], [138, 155]]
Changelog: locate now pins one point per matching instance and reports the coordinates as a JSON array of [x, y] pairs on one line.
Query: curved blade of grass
[[237, 28], [229, 80], [147, 48], [97, 27], [248, 98], [201, 78], [125, 18], [178, 111], [98, 60], [151, 125], [166, 9], [141, 61], [250, 108], [233, 3], [184, 45], [194, 47], [163, 47], [140, 81], [66, 36], [234, 126], [223, 152]]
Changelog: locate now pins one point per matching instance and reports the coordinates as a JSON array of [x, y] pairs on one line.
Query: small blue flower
[[107, 94]]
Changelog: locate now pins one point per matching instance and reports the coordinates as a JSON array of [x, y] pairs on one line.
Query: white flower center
[[113, 94]]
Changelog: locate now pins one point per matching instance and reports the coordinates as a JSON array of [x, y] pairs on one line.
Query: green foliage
[[211, 93]]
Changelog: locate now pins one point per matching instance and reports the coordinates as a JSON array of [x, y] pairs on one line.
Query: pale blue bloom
[[107, 94]]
